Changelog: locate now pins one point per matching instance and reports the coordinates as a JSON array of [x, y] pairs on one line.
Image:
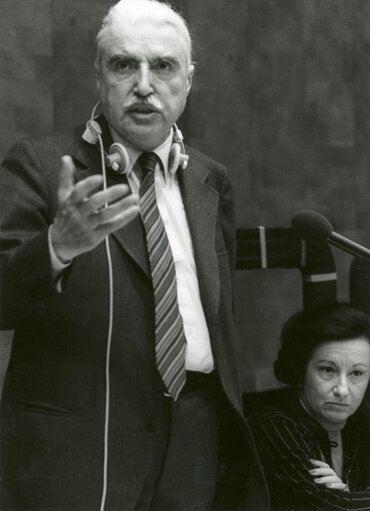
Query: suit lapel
[[201, 203], [132, 236]]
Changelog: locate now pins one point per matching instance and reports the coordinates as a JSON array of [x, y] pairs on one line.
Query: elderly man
[[122, 389]]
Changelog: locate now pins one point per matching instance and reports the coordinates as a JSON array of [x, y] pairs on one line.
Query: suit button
[[150, 427]]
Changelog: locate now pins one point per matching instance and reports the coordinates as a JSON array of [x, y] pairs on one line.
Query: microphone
[[312, 226]]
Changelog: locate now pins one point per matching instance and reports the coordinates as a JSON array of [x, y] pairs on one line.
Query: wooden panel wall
[[281, 96]]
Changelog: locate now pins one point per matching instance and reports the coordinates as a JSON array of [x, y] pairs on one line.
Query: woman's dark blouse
[[287, 437]]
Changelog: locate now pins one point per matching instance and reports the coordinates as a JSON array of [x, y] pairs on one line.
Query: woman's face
[[337, 376]]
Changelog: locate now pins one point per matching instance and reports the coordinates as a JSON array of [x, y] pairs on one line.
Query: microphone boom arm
[[349, 246]]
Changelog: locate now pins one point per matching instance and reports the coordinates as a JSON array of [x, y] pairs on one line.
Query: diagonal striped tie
[[169, 331]]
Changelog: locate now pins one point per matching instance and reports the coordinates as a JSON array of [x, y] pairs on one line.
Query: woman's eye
[[357, 373], [326, 369], [327, 372]]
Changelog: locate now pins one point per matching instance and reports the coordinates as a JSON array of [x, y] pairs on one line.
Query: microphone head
[[311, 226]]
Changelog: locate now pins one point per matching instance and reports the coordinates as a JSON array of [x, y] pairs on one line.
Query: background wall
[[281, 96]]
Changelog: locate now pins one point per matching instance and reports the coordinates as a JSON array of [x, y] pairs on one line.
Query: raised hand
[[83, 220], [325, 475]]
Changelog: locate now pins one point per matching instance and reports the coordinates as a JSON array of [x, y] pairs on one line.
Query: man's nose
[[341, 387], [143, 83]]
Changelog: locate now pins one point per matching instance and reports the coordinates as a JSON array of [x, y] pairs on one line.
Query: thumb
[[66, 178]]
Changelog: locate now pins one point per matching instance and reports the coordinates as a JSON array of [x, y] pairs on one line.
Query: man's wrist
[[57, 261]]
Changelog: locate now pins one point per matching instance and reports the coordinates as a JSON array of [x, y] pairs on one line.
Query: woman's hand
[[326, 476]]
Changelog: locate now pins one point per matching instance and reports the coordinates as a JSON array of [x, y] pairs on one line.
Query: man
[[122, 390]]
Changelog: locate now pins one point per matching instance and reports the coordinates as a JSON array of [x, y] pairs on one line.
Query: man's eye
[[123, 65], [162, 65]]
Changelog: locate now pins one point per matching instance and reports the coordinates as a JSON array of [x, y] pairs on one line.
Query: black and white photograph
[[185, 255]]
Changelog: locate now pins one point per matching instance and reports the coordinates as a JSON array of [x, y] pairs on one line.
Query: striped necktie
[[169, 331]]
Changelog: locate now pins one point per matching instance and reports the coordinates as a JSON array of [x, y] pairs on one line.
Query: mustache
[[151, 101]]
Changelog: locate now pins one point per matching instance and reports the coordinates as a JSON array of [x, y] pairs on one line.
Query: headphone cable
[[109, 343]]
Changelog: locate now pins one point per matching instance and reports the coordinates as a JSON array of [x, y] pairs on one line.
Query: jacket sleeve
[[285, 451], [26, 213]]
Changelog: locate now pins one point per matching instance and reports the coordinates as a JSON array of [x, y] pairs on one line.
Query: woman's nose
[[341, 387], [143, 86]]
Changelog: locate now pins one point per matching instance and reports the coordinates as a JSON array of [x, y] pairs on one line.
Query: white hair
[[129, 11]]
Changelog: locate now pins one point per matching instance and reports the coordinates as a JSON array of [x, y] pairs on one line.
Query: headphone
[[118, 158]]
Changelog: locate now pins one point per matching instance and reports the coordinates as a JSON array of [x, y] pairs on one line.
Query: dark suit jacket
[[288, 437], [54, 393]]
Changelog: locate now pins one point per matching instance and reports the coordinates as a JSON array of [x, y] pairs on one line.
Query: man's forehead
[[146, 38]]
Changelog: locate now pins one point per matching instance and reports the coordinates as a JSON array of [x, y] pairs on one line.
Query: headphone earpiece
[[118, 158], [177, 158], [92, 132]]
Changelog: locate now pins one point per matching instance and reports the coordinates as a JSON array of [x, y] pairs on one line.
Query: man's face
[[144, 78]]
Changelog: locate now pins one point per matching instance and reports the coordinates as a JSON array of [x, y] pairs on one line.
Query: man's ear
[[189, 77], [97, 74]]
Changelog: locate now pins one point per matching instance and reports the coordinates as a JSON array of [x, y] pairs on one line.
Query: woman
[[314, 446]]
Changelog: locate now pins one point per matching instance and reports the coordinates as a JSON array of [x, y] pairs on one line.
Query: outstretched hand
[[86, 215], [325, 475]]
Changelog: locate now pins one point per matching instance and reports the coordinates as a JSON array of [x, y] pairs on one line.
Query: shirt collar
[[162, 151]]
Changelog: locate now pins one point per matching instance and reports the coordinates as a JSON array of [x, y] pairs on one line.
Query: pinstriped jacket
[[287, 437]]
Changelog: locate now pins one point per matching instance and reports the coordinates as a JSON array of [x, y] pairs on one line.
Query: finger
[[112, 194], [66, 178], [104, 219], [113, 212], [319, 463], [337, 486], [325, 471], [327, 479], [119, 220], [87, 187]]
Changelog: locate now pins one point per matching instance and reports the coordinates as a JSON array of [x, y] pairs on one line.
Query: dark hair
[[305, 330]]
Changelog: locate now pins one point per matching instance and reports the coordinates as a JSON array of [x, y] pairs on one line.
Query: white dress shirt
[[198, 356]]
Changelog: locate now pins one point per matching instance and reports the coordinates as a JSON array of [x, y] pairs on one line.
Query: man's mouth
[[142, 109]]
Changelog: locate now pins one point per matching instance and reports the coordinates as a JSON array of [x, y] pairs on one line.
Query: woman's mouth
[[332, 403]]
